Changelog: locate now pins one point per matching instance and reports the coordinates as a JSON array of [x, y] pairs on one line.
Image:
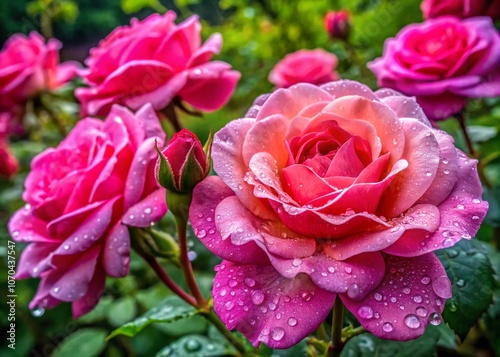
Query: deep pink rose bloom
[[333, 192], [28, 66], [80, 197], [8, 163], [461, 8], [153, 61], [308, 66], [442, 62], [338, 24]]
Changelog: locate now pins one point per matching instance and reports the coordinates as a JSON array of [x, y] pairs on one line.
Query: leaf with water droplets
[[196, 346], [471, 276], [367, 345], [169, 310]]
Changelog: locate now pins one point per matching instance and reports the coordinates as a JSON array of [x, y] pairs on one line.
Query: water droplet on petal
[[426, 280], [353, 291], [229, 305], [249, 282], [201, 233], [305, 295], [232, 283], [421, 311], [435, 318], [257, 297], [387, 327], [406, 290], [296, 262], [38, 311], [460, 207], [277, 333], [417, 299], [412, 321], [292, 321], [378, 296], [56, 290], [365, 312], [442, 286]]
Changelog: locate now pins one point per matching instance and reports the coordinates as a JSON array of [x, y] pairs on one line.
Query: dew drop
[[353, 291], [38, 311], [448, 242], [425, 280], [292, 321], [435, 318], [232, 283], [378, 296], [305, 295], [406, 290], [148, 210], [412, 321], [56, 290], [277, 333], [201, 233], [459, 206], [387, 327], [428, 173], [249, 282], [460, 283], [66, 246], [229, 305], [331, 269], [365, 312], [446, 171], [192, 345], [296, 262], [418, 299], [223, 292], [257, 297], [421, 311], [348, 270], [476, 201], [442, 286]]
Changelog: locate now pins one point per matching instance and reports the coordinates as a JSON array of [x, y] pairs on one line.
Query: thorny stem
[[187, 268], [463, 127], [214, 319], [337, 322], [166, 279]]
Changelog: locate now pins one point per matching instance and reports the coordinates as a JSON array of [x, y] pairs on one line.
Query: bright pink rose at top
[[333, 192], [80, 197], [29, 66], [308, 66], [461, 8], [338, 24], [153, 61], [442, 62]]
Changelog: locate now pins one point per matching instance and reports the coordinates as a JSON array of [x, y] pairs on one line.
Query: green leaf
[[492, 316], [169, 310], [480, 133], [195, 346], [367, 345], [131, 6], [471, 275], [88, 342], [122, 311]]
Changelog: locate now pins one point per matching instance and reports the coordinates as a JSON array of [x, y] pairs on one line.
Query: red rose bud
[[338, 24], [183, 163]]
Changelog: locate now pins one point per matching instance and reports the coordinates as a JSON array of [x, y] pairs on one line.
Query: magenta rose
[[8, 163], [154, 61], [308, 66], [338, 24], [442, 62], [333, 192], [80, 197], [29, 66], [461, 8]]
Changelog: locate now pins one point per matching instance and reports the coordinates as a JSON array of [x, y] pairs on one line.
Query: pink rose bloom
[[153, 61], [333, 192], [461, 8], [308, 66], [80, 197], [8, 163], [442, 62], [338, 24], [28, 66]]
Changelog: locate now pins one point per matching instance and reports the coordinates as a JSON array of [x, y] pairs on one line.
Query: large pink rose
[[308, 66], [442, 62], [461, 8], [80, 197], [333, 192], [28, 66], [153, 61]]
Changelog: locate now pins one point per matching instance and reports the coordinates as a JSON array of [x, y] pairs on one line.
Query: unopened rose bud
[[338, 24], [183, 163]]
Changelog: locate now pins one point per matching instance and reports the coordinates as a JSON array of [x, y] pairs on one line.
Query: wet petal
[[412, 292], [147, 211], [266, 307], [116, 251]]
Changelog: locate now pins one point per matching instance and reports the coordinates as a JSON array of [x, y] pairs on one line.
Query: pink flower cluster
[[80, 199], [333, 192], [442, 62], [154, 61]]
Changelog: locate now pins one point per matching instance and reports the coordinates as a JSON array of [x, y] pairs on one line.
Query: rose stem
[[187, 269], [351, 51], [337, 322], [214, 319], [461, 121], [153, 263], [171, 115]]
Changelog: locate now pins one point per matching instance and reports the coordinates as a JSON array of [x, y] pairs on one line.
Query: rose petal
[[347, 87], [30, 257], [265, 307], [93, 295], [147, 211], [206, 196], [116, 251], [413, 290]]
